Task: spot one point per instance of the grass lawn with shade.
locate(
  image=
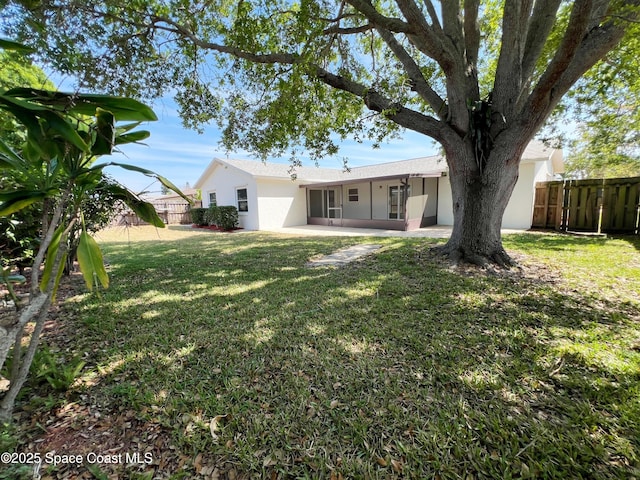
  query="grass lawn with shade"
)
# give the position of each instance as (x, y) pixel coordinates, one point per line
(224, 356)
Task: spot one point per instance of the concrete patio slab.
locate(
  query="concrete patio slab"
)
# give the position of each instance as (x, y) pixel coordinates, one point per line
(437, 231)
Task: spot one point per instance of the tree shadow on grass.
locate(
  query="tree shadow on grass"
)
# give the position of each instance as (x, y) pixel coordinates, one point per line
(395, 366)
(567, 241)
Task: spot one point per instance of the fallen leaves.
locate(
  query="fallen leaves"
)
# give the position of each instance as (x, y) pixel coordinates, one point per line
(214, 426)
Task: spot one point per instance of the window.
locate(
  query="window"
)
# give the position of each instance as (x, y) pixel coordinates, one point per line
(353, 194)
(243, 204)
(212, 199)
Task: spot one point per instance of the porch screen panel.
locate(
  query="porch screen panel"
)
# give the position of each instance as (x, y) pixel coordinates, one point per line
(396, 205)
(315, 203)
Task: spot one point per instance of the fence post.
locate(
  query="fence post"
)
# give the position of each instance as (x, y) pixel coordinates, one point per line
(600, 203)
(566, 194)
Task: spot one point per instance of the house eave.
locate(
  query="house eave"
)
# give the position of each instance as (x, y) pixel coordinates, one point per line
(384, 178)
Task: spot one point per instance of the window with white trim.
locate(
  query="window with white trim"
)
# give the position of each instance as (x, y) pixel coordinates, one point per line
(353, 194)
(242, 199)
(212, 199)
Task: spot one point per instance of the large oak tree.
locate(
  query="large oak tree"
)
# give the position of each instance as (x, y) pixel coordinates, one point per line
(479, 77)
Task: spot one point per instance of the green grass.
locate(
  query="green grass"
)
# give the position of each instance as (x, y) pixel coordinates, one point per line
(393, 367)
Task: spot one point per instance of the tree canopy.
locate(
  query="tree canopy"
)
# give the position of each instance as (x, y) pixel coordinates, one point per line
(262, 69)
(18, 70)
(479, 77)
(606, 108)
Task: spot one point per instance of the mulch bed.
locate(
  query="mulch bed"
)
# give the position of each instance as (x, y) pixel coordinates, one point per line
(215, 228)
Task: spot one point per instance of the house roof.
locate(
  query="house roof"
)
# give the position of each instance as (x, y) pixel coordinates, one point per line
(189, 192)
(432, 166)
(260, 169)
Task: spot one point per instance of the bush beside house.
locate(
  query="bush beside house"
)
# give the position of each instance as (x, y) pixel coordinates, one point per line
(223, 217)
(198, 216)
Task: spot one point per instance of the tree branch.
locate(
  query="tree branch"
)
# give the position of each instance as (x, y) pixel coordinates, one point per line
(425, 38)
(508, 80)
(594, 45)
(575, 34)
(542, 20)
(419, 83)
(471, 33)
(347, 30)
(46, 240)
(435, 22)
(404, 117)
(368, 10)
(376, 102)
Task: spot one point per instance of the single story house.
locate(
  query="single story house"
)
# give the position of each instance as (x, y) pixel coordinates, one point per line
(401, 195)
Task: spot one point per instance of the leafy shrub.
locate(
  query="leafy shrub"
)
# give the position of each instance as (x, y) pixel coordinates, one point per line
(50, 368)
(99, 207)
(212, 215)
(21, 238)
(56, 371)
(198, 216)
(227, 217)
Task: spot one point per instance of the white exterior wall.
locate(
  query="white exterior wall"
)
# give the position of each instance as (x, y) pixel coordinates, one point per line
(519, 211)
(431, 191)
(225, 180)
(445, 201)
(417, 201)
(544, 171)
(360, 209)
(381, 200)
(281, 203)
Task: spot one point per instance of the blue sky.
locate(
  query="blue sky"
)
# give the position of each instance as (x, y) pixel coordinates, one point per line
(181, 155)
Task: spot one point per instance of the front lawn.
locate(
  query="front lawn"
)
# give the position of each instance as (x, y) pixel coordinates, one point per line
(224, 356)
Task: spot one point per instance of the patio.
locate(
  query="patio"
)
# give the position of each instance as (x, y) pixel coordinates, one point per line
(436, 231)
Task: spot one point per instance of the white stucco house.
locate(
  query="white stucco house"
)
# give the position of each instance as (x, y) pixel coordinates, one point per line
(401, 195)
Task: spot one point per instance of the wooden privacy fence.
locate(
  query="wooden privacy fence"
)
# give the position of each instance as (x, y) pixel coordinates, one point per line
(170, 213)
(601, 205)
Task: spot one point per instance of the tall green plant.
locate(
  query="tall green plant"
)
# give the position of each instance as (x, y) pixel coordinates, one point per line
(66, 134)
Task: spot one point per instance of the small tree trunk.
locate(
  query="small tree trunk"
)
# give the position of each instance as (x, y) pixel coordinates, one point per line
(36, 311)
(9, 333)
(20, 376)
(480, 198)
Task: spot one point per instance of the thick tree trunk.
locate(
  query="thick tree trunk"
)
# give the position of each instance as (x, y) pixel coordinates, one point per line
(480, 197)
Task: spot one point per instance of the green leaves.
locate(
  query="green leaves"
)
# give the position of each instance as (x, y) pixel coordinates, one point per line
(15, 201)
(143, 209)
(11, 45)
(52, 253)
(53, 264)
(164, 181)
(13, 279)
(62, 117)
(124, 109)
(105, 133)
(9, 158)
(91, 262)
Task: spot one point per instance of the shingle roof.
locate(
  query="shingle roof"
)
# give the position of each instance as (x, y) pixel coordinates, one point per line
(279, 170)
(433, 165)
(422, 165)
